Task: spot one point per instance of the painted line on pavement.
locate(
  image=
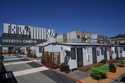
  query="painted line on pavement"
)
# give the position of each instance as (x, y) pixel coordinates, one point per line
(29, 71)
(20, 62)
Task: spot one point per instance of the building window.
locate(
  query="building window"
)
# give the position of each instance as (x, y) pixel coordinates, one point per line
(98, 51)
(124, 48)
(115, 49)
(78, 36)
(88, 57)
(41, 49)
(73, 53)
(102, 50)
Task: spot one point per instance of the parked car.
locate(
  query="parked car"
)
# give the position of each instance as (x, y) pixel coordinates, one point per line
(121, 79)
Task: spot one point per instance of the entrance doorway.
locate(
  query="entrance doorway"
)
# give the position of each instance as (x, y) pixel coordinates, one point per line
(51, 59)
(79, 57)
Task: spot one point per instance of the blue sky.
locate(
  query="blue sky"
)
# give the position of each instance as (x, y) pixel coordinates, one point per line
(102, 16)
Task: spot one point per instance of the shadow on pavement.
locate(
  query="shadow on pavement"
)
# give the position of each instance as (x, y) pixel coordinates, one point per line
(6, 76)
(58, 78)
(34, 64)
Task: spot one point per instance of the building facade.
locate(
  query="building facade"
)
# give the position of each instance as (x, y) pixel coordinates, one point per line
(119, 39)
(82, 37)
(14, 36)
(80, 54)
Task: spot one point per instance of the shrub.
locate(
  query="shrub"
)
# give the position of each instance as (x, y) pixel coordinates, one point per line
(121, 63)
(99, 72)
(112, 67)
(103, 61)
(64, 68)
(98, 75)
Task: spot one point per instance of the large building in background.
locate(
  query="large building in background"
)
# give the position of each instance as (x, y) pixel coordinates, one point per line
(24, 34)
(82, 37)
(118, 39)
(14, 37)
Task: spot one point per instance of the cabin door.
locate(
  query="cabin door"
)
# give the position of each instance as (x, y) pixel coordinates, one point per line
(116, 51)
(79, 57)
(51, 59)
(94, 55)
(105, 53)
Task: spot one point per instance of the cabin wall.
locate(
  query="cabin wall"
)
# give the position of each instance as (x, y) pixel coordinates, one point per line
(62, 55)
(58, 48)
(5, 50)
(99, 55)
(113, 52)
(123, 52)
(72, 63)
(87, 56)
(73, 58)
(38, 52)
(108, 55)
(35, 50)
(119, 54)
(23, 49)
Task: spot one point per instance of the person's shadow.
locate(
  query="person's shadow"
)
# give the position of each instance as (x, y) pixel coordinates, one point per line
(6, 76)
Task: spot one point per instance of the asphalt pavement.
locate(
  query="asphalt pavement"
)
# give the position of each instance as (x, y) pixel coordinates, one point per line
(42, 76)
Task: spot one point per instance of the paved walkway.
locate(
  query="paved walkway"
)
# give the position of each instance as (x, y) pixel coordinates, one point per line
(77, 74)
(29, 71)
(32, 72)
(20, 62)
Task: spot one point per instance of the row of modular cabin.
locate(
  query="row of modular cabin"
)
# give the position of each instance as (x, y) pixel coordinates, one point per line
(79, 54)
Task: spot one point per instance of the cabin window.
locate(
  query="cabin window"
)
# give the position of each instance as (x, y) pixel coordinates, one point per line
(115, 49)
(73, 53)
(124, 48)
(88, 57)
(78, 36)
(40, 49)
(67, 57)
(102, 51)
(120, 50)
(98, 52)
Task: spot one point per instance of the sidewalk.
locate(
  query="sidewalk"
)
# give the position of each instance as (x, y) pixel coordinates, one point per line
(74, 75)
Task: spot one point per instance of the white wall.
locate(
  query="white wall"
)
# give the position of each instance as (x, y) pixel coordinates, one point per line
(5, 28)
(61, 48)
(31, 33)
(113, 52)
(93, 38)
(35, 49)
(72, 64)
(62, 55)
(59, 38)
(24, 50)
(119, 54)
(71, 36)
(123, 53)
(5, 49)
(100, 57)
(56, 48)
(87, 56)
(108, 55)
